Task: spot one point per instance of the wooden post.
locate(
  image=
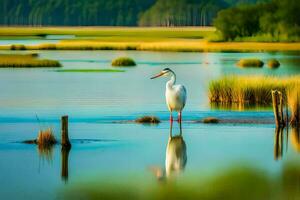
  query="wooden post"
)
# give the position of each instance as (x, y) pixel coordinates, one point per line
(275, 107)
(65, 142)
(281, 109)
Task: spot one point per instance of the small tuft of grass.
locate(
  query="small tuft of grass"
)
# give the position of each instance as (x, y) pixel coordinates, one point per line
(123, 62)
(250, 62)
(89, 70)
(273, 63)
(148, 120)
(25, 61)
(46, 138)
(210, 120)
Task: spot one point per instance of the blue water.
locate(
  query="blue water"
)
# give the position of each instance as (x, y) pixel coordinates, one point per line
(101, 107)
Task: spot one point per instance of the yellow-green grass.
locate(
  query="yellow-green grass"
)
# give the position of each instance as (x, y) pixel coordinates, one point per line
(255, 90)
(123, 62)
(250, 62)
(273, 63)
(25, 61)
(184, 39)
(89, 70)
(177, 45)
(148, 120)
(293, 96)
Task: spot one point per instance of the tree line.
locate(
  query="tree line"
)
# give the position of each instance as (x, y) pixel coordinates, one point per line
(112, 12)
(275, 18)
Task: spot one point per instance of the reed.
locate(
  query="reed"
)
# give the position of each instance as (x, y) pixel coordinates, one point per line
(293, 97)
(46, 138)
(252, 90)
(123, 62)
(25, 61)
(250, 62)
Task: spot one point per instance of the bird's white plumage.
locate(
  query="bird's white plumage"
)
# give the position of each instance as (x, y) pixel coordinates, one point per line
(175, 95)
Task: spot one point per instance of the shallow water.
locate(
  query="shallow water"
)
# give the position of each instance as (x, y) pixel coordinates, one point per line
(96, 104)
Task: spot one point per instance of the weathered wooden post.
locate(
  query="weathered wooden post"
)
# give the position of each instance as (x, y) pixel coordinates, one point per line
(277, 101)
(65, 142)
(275, 107)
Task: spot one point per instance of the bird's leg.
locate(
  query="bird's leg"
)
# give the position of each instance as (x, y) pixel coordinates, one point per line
(179, 117)
(171, 117)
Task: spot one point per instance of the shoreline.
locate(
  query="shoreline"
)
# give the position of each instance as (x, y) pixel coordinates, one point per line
(164, 46)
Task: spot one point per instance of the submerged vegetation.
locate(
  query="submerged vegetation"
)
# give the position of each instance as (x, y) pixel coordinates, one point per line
(148, 120)
(250, 62)
(25, 61)
(123, 62)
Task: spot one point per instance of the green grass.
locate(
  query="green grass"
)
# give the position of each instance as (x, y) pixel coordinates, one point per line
(250, 62)
(123, 62)
(90, 70)
(179, 39)
(25, 61)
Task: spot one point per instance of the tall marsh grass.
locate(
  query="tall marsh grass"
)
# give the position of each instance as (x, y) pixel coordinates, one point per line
(256, 90)
(25, 61)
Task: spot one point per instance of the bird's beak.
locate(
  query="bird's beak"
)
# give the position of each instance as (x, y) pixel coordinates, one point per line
(158, 75)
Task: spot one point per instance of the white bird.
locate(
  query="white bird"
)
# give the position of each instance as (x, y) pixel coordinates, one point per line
(175, 94)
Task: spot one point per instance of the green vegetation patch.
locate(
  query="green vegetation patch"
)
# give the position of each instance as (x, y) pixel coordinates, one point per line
(250, 62)
(123, 62)
(210, 120)
(148, 120)
(89, 70)
(273, 63)
(25, 61)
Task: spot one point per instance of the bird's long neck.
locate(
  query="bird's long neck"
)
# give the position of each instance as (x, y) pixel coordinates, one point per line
(172, 81)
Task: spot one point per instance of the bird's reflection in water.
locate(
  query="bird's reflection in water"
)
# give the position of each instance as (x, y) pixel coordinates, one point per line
(176, 157)
(281, 138)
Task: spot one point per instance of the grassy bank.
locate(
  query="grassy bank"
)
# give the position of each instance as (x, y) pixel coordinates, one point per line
(256, 90)
(249, 89)
(25, 61)
(183, 39)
